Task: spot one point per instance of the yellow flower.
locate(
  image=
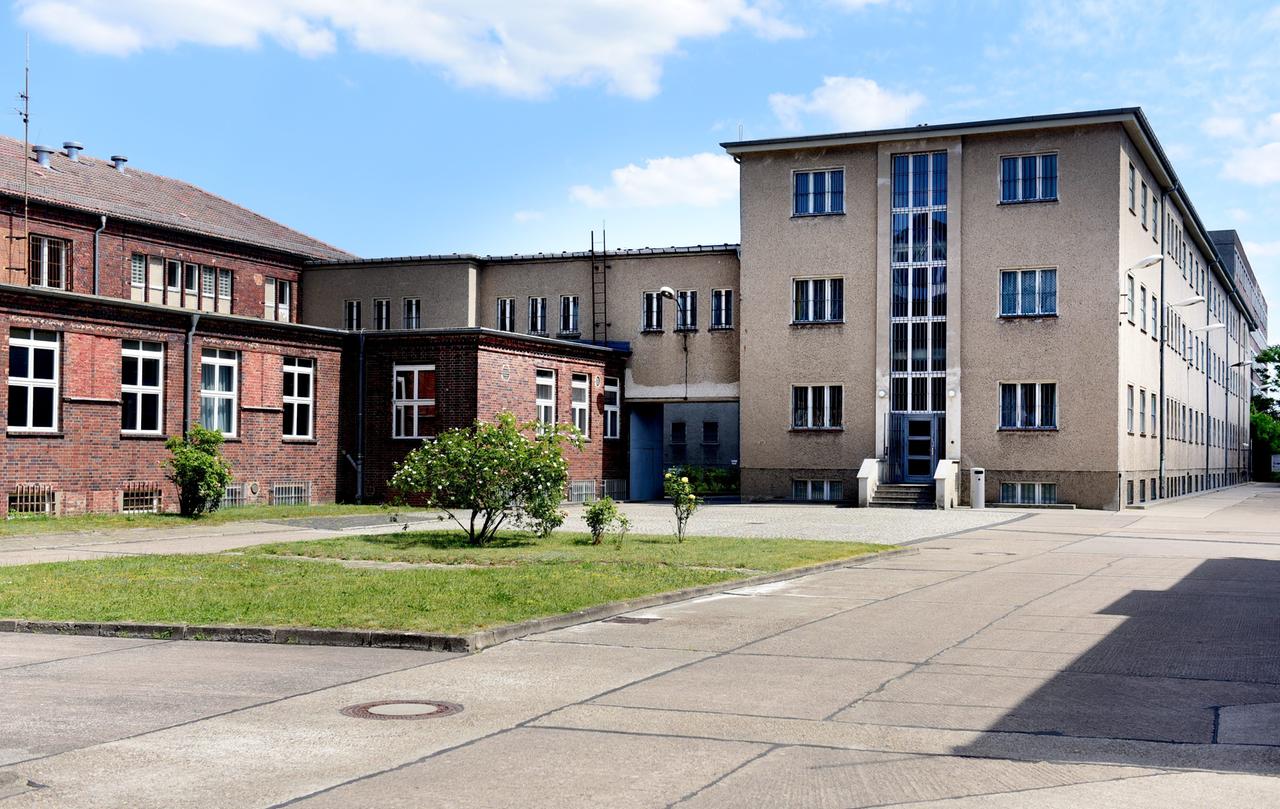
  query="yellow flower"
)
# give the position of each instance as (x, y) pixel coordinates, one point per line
(684, 480)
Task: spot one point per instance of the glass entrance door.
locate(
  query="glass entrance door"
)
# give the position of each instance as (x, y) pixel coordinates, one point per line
(919, 457)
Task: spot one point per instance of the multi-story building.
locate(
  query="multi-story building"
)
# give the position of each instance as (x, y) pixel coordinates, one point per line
(1035, 297)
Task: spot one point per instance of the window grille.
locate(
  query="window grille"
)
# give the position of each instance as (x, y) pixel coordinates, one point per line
(615, 488)
(32, 498)
(233, 496)
(293, 493)
(582, 491)
(141, 498)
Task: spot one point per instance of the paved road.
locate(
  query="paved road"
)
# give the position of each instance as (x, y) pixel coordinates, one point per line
(1070, 659)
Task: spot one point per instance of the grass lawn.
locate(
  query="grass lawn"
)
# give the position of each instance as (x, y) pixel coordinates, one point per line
(515, 579)
(109, 522)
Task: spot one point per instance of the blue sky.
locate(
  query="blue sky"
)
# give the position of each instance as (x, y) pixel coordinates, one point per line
(393, 127)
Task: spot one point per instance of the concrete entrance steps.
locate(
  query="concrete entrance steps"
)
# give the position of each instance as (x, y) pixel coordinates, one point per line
(903, 495)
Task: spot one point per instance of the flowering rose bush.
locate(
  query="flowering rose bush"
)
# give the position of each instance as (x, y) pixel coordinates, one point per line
(683, 500)
(491, 474)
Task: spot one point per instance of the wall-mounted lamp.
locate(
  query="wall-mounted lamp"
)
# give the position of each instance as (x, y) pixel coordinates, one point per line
(881, 394)
(952, 393)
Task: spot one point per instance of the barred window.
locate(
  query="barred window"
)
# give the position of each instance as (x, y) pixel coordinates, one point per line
(48, 267)
(1029, 178)
(1028, 405)
(722, 308)
(818, 300)
(1028, 292)
(819, 192)
(816, 407)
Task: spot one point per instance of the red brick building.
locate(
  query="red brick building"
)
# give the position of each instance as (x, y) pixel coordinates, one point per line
(134, 305)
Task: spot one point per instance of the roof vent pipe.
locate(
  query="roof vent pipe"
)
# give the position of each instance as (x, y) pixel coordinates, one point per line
(118, 160)
(74, 148)
(43, 153)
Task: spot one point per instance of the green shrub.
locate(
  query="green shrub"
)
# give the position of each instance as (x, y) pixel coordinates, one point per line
(599, 515)
(492, 473)
(683, 500)
(197, 468)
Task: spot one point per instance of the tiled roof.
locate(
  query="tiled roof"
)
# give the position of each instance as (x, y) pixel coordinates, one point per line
(94, 185)
(524, 257)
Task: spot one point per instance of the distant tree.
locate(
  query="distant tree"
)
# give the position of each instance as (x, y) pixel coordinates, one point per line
(492, 474)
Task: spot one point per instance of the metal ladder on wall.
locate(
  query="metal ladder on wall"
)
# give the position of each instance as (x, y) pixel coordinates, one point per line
(599, 296)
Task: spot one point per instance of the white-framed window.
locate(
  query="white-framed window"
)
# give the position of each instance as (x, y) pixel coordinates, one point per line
(48, 267)
(817, 407)
(412, 313)
(544, 395)
(1133, 177)
(1142, 308)
(1028, 292)
(284, 297)
(580, 403)
(652, 314)
(537, 315)
(414, 401)
(191, 283)
(1029, 493)
(1143, 217)
(1129, 408)
(817, 300)
(569, 315)
(722, 308)
(351, 315)
(209, 287)
(818, 192)
(173, 274)
(1029, 178)
(612, 408)
(141, 386)
(817, 490)
(33, 380)
(506, 314)
(1028, 405)
(1131, 305)
(687, 310)
(224, 284)
(1142, 411)
(299, 397)
(219, 384)
(381, 314)
(138, 270)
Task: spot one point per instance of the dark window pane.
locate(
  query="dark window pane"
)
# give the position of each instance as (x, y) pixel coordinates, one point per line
(129, 411)
(1008, 293)
(837, 191)
(1029, 177)
(42, 407)
(940, 178)
(1049, 291)
(939, 291)
(19, 361)
(900, 178)
(819, 204)
(288, 418)
(939, 237)
(1048, 405)
(151, 372)
(18, 406)
(151, 412)
(799, 407)
(304, 419)
(919, 180)
(1009, 179)
(801, 193)
(1008, 405)
(43, 363)
(835, 406)
(1049, 177)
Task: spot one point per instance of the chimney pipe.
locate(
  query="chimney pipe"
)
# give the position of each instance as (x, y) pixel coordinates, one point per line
(42, 155)
(118, 160)
(74, 148)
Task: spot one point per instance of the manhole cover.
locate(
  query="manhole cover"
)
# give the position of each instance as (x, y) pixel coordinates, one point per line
(629, 619)
(402, 709)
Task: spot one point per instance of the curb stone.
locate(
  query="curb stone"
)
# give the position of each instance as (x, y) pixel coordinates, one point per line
(419, 641)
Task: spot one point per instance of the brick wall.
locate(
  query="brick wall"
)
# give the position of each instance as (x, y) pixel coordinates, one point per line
(89, 461)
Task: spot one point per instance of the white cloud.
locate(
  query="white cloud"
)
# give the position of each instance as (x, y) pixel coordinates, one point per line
(1223, 127)
(702, 180)
(1257, 250)
(515, 46)
(1255, 166)
(850, 103)
(524, 217)
(1239, 215)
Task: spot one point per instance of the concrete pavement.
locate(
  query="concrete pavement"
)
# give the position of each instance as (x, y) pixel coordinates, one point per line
(1068, 659)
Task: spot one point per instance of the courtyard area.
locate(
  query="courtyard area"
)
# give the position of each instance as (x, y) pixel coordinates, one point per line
(1047, 659)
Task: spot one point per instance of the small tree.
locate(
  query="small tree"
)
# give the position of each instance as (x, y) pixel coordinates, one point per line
(197, 468)
(599, 516)
(493, 473)
(683, 500)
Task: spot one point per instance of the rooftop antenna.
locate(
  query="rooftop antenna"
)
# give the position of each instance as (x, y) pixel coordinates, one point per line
(739, 130)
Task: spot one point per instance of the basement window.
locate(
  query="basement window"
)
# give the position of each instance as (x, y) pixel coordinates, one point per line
(144, 498)
(292, 493)
(32, 499)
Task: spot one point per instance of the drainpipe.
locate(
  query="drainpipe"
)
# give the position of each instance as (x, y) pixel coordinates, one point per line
(186, 374)
(360, 425)
(96, 234)
(1164, 331)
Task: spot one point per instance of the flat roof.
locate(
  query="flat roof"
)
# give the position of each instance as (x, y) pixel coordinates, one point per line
(475, 258)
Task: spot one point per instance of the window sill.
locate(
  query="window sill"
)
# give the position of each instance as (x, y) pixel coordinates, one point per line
(299, 440)
(816, 429)
(685, 330)
(1027, 429)
(129, 436)
(1027, 201)
(653, 331)
(262, 408)
(537, 334)
(1040, 316)
(721, 328)
(569, 335)
(809, 324)
(816, 215)
(35, 434)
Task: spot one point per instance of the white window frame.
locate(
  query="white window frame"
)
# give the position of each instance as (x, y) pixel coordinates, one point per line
(41, 277)
(191, 282)
(222, 358)
(1129, 394)
(651, 312)
(569, 315)
(721, 309)
(828, 490)
(537, 315)
(284, 297)
(811, 308)
(300, 367)
(545, 408)
(381, 314)
(411, 309)
(1038, 498)
(351, 315)
(138, 271)
(173, 274)
(826, 194)
(1040, 310)
(1018, 408)
(506, 314)
(580, 385)
(32, 341)
(813, 420)
(225, 281)
(687, 310)
(144, 350)
(612, 412)
(1039, 197)
(408, 404)
(1142, 411)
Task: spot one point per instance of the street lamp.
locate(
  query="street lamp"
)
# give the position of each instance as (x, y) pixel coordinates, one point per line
(1149, 261)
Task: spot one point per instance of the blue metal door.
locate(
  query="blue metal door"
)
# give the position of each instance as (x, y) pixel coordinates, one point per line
(919, 448)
